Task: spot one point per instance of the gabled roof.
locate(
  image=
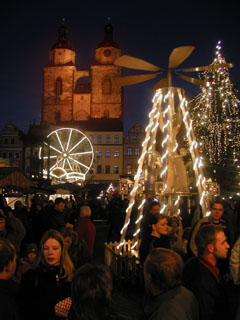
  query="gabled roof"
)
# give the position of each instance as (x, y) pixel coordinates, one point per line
(14, 177)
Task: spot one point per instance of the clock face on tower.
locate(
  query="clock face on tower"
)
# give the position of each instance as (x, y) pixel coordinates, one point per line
(107, 53)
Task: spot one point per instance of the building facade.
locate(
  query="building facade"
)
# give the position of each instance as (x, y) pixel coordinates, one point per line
(11, 145)
(132, 149)
(86, 100)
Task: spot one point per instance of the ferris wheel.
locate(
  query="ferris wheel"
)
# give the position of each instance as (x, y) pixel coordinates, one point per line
(67, 156)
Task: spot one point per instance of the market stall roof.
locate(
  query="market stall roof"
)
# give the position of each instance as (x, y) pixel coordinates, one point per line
(14, 178)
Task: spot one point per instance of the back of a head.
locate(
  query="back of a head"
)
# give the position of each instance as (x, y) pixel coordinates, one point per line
(7, 253)
(165, 268)
(91, 292)
(85, 211)
(207, 235)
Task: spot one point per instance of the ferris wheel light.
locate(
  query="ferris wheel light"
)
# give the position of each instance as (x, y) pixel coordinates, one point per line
(74, 165)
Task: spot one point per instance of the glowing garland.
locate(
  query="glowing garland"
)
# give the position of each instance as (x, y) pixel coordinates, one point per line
(157, 116)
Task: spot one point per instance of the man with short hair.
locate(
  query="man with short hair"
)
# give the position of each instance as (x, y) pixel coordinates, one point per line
(217, 210)
(201, 274)
(55, 218)
(168, 299)
(8, 288)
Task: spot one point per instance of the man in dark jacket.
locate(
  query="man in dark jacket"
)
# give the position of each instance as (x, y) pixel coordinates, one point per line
(168, 299)
(202, 276)
(8, 288)
(55, 217)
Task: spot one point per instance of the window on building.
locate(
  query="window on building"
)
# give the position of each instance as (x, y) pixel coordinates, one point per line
(12, 141)
(107, 168)
(91, 138)
(116, 153)
(99, 168)
(134, 137)
(99, 153)
(58, 88)
(99, 138)
(129, 169)
(115, 169)
(137, 152)
(108, 153)
(107, 139)
(129, 151)
(6, 140)
(4, 155)
(106, 85)
(16, 155)
(139, 137)
(116, 139)
(10, 155)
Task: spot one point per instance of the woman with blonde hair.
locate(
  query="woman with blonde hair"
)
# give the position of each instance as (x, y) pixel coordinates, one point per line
(45, 292)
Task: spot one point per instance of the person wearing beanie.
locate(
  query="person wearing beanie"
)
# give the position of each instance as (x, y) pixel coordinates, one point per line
(29, 262)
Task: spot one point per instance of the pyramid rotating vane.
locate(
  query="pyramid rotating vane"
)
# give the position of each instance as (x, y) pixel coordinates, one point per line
(177, 57)
(171, 175)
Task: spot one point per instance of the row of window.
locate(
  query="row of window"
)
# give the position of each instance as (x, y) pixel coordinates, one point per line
(107, 139)
(133, 151)
(116, 153)
(8, 141)
(107, 169)
(134, 137)
(106, 86)
(10, 155)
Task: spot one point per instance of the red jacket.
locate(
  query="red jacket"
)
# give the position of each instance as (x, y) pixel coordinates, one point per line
(86, 231)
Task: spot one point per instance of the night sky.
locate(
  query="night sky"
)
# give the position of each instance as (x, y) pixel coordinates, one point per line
(144, 29)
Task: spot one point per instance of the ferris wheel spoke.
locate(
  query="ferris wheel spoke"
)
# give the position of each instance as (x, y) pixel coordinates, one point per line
(69, 138)
(69, 164)
(78, 162)
(59, 141)
(77, 144)
(80, 153)
(51, 157)
(55, 149)
(56, 164)
(64, 161)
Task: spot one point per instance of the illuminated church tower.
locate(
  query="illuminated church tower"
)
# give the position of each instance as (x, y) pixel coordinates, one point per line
(106, 98)
(67, 96)
(58, 81)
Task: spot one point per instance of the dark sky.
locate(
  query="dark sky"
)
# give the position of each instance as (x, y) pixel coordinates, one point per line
(144, 29)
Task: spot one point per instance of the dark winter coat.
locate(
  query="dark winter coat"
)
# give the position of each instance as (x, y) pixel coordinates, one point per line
(79, 252)
(176, 304)
(8, 305)
(40, 290)
(54, 220)
(150, 242)
(213, 303)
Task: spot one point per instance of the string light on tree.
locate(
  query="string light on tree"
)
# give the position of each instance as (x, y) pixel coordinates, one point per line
(215, 114)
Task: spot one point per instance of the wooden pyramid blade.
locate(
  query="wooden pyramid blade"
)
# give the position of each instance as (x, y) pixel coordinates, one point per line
(178, 55)
(135, 63)
(129, 80)
(209, 67)
(163, 83)
(193, 80)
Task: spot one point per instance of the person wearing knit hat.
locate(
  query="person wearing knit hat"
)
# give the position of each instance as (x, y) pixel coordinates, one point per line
(28, 262)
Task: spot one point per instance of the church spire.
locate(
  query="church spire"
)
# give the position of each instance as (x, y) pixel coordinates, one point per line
(108, 36)
(63, 41)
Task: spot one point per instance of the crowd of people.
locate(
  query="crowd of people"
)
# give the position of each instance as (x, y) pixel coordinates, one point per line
(190, 266)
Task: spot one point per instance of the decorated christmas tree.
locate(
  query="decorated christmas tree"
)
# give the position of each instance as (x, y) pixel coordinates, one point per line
(215, 114)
